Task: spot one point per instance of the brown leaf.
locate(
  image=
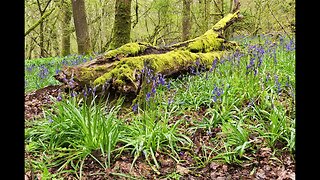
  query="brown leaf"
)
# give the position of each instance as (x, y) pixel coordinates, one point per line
(182, 170)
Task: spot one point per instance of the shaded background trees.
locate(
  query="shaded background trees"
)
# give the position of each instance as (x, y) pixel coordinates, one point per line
(51, 31)
(81, 26)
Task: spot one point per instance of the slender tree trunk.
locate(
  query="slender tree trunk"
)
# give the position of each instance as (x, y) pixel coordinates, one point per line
(41, 44)
(222, 8)
(186, 20)
(81, 26)
(205, 14)
(122, 23)
(65, 25)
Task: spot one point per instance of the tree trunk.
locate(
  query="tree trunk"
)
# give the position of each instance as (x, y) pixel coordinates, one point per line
(186, 20)
(118, 70)
(204, 6)
(41, 36)
(81, 26)
(65, 27)
(122, 24)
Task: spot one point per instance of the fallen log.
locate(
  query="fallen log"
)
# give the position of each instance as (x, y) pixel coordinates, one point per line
(119, 69)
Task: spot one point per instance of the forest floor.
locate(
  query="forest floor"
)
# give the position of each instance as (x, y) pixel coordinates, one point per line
(263, 164)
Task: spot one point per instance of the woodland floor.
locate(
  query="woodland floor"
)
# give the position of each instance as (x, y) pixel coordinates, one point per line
(263, 164)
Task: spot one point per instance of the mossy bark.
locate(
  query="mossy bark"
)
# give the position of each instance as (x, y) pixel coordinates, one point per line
(65, 24)
(120, 68)
(122, 24)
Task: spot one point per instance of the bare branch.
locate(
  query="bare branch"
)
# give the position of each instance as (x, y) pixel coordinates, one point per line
(43, 17)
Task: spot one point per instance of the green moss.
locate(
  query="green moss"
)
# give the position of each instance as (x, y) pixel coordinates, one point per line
(127, 49)
(223, 22)
(124, 73)
(86, 75)
(206, 43)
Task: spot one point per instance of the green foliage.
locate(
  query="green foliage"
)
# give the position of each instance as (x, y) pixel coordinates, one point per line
(74, 130)
(149, 130)
(249, 95)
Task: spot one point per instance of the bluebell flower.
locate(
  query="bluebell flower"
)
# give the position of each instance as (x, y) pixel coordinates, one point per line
(214, 63)
(275, 58)
(84, 93)
(57, 71)
(192, 70)
(259, 61)
(278, 84)
(153, 89)
(94, 90)
(148, 95)
(267, 77)
(50, 120)
(162, 80)
(198, 62)
(135, 108)
(214, 98)
(73, 94)
(59, 98)
(169, 85)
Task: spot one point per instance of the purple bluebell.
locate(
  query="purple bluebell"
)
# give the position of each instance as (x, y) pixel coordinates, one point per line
(135, 108)
(59, 98)
(148, 95)
(57, 71)
(275, 57)
(214, 98)
(162, 80)
(259, 61)
(169, 85)
(192, 70)
(73, 94)
(94, 90)
(209, 133)
(50, 120)
(267, 77)
(153, 89)
(214, 63)
(84, 93)
(198, 62)
(289, 46)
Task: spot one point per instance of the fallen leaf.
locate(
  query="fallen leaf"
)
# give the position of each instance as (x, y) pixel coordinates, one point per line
(182, 170)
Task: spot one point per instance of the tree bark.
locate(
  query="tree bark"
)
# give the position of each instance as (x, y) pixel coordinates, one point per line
(41, 28)
(81, 26)
(186, 20)
(65, 26)
(122, 23)
(118, 70)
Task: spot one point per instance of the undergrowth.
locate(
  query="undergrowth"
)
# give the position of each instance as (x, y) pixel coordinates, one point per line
(249, 96)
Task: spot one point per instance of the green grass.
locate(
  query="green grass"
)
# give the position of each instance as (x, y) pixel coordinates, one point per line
(244, 98)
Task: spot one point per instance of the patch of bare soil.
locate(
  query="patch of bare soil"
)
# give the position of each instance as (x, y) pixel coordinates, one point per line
(35, 101)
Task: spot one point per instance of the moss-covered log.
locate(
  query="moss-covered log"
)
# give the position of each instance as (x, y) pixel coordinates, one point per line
(120, 68)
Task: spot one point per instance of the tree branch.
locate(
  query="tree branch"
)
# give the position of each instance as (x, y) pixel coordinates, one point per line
(43, 17)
